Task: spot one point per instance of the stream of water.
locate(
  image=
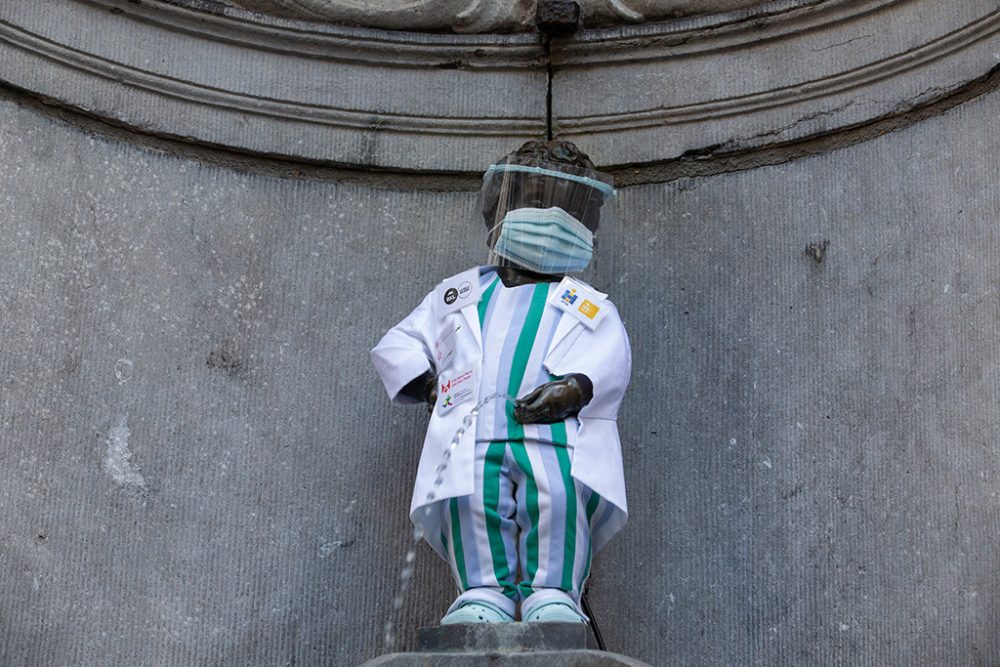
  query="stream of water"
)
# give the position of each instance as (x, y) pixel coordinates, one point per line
(406, 573)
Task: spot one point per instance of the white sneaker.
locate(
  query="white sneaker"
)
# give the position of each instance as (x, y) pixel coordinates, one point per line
(476, 612)
(556, 611)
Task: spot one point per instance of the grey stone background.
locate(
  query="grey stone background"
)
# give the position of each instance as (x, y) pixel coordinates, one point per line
(198, 465)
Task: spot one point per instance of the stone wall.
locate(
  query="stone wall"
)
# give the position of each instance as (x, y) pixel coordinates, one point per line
(198, 465)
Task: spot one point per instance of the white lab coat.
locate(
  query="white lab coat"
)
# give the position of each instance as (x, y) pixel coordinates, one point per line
(602, 354)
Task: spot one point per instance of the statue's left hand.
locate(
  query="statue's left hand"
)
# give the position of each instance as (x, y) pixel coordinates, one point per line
(554, 401)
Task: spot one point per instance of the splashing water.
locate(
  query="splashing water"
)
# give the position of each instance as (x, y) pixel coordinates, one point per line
(406, 573)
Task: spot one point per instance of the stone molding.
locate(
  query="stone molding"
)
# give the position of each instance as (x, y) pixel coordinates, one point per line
(465, 16)
(705, 35)
(335, 42)
(315, 92)
(444, 103)
(680, 88)
(460, 16)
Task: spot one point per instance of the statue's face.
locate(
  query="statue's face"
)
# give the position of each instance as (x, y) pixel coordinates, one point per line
(527, 190)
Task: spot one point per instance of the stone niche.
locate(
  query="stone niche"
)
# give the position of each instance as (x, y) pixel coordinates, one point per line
(811, 437)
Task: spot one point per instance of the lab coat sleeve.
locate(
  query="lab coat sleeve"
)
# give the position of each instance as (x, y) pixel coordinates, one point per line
(404, 353)
(603, 355)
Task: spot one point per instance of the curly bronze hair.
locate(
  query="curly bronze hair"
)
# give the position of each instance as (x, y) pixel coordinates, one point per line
(552, 151)
(563, 152)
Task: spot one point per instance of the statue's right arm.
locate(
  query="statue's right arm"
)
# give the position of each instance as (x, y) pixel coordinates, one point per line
(403, 357)
(422, 389)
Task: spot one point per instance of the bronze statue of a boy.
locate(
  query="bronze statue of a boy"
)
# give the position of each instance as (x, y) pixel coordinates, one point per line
(536, 485)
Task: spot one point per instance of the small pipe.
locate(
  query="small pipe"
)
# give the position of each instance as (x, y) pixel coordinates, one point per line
(593, 621)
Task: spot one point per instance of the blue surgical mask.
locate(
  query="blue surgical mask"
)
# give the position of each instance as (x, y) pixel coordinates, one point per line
(545, 240)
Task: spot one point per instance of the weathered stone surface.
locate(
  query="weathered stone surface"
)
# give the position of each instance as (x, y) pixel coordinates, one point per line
(466, 16)
(318, 93)
(579, 658)
(542, 644)
(746, 80)
(477, 16)
(656, 92)
(198, 465)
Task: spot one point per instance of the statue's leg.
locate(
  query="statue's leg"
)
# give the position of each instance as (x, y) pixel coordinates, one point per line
(554, 545)
(480, 538)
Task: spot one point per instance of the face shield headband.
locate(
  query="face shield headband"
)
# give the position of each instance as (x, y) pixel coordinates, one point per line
(600, 186)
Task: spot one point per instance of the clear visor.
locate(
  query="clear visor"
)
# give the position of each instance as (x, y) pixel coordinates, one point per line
(544, 216)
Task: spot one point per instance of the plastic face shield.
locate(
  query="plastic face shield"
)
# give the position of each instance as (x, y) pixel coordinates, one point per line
(543, 216)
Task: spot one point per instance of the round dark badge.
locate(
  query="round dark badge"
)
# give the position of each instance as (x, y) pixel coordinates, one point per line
(450, 295)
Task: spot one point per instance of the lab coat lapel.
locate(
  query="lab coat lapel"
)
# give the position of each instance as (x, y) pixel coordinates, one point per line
(566, 324)
(462, 292)
(557, 348)
(471, 313)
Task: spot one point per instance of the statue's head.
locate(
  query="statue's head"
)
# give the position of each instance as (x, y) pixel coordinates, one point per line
(508, 190)
(541, 205)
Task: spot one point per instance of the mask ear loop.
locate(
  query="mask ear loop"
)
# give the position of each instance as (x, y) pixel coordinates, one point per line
(489, 233)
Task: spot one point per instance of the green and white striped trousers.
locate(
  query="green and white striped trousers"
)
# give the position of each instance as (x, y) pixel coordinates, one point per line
(525, 529)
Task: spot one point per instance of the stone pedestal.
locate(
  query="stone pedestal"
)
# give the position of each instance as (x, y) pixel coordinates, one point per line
(521, 644)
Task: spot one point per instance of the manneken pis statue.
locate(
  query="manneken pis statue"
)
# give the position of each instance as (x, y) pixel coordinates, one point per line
(536, 486)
